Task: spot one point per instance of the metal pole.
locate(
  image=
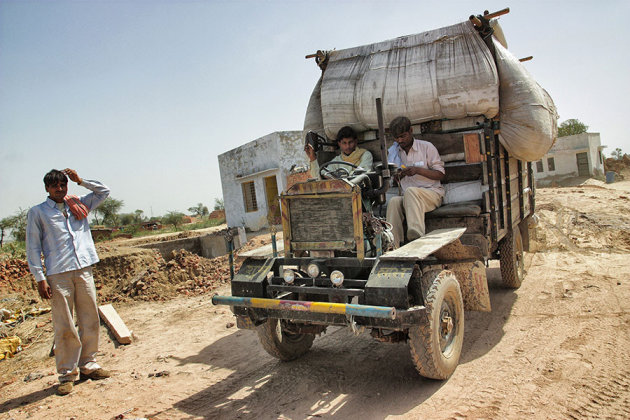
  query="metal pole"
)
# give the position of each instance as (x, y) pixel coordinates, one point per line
(381, 135)
(231, 256)
(228, 235)
(379, 245)
(273, 242)
(385, 312)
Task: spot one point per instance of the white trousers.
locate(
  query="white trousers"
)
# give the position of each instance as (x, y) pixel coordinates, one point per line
(414, 203)
(75, 350)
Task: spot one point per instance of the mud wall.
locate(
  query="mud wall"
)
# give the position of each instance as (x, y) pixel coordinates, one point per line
(208, 246)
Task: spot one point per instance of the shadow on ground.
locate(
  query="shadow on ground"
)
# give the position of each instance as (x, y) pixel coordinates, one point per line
(341, 376)
(484, 330)
(23, 400)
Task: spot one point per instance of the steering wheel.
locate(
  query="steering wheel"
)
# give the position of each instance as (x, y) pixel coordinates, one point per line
(337, 173)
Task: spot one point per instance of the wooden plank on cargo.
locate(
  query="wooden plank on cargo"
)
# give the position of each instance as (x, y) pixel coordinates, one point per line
(115, 323)
(461, 173)
(424, 246)
(472, 148)
(446, 144)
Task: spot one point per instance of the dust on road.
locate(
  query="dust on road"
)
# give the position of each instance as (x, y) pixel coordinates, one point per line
(555, 348)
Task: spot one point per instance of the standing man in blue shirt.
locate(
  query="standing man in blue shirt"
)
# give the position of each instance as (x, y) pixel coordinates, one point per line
(58, 228)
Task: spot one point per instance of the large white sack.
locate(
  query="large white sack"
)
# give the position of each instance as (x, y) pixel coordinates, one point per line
(444, 73)
(313, 120)
(529, 120)
(497, 32)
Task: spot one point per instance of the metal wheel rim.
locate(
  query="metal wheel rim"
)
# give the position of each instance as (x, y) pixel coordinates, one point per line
(447, 327)
(287, 336)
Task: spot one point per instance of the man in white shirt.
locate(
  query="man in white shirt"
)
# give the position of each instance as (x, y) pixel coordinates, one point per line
(58, 229)
(420, 175)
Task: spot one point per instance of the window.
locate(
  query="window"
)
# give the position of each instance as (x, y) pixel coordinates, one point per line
(539, 167)
(551, 164)
(249, 196)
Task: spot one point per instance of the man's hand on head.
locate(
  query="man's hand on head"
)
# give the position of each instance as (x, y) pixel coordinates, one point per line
(44, 289)
(72, 174)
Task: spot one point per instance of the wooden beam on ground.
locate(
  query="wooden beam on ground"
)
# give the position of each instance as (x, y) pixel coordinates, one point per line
(115, 323)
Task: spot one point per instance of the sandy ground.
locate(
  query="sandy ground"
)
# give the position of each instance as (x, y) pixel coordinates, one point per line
(556, 348)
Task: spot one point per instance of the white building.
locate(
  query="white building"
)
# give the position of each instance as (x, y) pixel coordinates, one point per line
(253, 175)
(579, 155)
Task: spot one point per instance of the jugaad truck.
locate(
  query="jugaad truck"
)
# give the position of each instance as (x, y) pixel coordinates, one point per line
(464, 93)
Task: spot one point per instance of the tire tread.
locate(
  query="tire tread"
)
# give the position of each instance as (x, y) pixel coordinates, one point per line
(424, 352)
(284, 351)
(509, 271)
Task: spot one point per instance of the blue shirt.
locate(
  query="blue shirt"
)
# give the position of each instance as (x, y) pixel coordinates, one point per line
(65, 241)
(393, 155)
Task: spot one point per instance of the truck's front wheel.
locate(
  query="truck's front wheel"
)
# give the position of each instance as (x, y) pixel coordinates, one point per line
(282, 344)
(436, 342)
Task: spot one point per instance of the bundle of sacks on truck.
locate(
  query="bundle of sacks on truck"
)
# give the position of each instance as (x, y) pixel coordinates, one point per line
(455, 75)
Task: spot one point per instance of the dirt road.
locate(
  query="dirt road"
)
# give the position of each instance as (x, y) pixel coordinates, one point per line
(556, 348)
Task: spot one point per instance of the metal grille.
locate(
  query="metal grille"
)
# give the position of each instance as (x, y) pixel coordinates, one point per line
(249, 196)
(321, 219)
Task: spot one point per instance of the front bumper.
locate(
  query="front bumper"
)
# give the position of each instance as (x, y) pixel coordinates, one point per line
(324, 313)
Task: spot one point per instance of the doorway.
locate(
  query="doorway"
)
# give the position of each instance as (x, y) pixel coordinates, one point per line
(273, 204)
(582, 164)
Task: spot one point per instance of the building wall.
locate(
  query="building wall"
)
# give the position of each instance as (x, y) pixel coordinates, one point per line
(564, 153)
(271, 155)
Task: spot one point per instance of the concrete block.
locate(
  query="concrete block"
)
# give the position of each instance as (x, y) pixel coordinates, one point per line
(242, 237)
(115, 323)
(212, 246)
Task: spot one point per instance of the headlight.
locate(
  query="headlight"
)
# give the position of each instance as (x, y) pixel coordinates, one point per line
(288, 275)
(312, 270)
(336, 277)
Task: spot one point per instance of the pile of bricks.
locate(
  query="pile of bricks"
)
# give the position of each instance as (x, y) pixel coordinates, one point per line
(15, 276)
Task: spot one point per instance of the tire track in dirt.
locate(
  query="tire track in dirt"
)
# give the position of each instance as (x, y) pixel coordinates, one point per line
(604, 393)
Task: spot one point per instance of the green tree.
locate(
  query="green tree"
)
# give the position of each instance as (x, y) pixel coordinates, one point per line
(199, 210)
(17, 224)
(5, 225)
(174, 218)
(126, 219)
(617, 153)
(218, 204)
(139, 216)
(108, 211)
(571, 127)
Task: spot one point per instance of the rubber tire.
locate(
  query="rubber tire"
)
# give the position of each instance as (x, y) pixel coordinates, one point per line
(511, 259)
(282, 345)
(430, 359)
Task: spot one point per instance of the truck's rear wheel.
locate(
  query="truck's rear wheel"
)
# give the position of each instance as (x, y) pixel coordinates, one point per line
(511, 259)
(436, 343)
(282, 344)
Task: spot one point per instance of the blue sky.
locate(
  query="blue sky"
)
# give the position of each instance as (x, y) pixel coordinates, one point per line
(143, 95)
